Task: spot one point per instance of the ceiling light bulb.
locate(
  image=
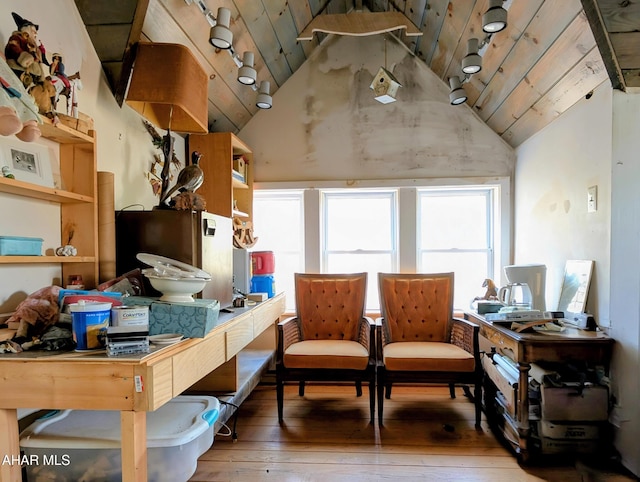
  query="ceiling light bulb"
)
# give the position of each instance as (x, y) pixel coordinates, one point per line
(264, 100)
(247, 74)
(457, 95)
(220, 35)
(472, 62)
(495, 18)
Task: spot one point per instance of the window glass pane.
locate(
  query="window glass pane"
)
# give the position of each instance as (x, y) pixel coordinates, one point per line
(456, 220)
(279, 226)
(369, 263)
(358, 221)
(469, 270)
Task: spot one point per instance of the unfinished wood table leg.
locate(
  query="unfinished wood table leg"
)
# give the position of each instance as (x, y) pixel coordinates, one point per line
(10, 467)
(133, 430)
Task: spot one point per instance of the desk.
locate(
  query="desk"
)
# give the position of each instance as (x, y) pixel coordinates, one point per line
(593, 348)
(133, 385)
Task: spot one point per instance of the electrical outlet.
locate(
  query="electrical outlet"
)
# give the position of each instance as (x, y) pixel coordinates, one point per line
(592, 199)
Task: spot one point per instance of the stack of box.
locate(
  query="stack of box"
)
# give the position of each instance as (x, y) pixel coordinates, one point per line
(128, 333)
(570, 416)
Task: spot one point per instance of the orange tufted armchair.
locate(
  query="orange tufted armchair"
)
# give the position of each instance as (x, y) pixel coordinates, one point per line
(419, 341)
(329, 339)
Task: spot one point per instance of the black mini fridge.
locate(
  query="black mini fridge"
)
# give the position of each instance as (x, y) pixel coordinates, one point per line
(201, 239)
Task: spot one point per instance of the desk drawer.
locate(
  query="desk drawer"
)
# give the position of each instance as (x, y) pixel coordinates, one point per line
(505, 384)
(503, 344)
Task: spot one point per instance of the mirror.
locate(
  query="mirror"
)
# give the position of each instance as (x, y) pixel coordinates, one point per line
(575, 286)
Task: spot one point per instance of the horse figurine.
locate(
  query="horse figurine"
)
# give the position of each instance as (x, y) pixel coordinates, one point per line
(65, 86)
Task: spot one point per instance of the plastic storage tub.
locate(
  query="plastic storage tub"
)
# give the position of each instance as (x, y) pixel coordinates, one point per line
(20, 246)
(85, 444)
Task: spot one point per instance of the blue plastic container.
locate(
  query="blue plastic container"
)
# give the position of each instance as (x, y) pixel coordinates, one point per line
(20, 246)
(263, 284)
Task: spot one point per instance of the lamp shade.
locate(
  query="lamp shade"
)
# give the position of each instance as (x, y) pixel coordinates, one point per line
(220, 36)
(247, 74)
(264, 100)
(472, 62)
(495, 18)
(169, 88)
(457, 95)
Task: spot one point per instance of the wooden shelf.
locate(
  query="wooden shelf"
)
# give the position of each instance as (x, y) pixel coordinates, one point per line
(237, 184)
(46, 259)
(26, 189)
(63, 134)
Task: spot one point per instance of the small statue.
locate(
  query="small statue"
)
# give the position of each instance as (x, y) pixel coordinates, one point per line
(491, 293)
(189, 179)
(25, 54)
(6, 172)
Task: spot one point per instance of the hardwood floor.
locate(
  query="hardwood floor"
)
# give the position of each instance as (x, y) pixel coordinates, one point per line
(326, 436)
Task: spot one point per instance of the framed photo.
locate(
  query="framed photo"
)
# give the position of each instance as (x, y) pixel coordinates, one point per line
(27, 161)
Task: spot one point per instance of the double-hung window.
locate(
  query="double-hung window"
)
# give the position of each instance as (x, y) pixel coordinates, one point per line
(359, 234)
(456, 233)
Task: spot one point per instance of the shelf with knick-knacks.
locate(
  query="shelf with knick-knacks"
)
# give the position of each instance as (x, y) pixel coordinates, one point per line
(227, 164)
(78, 202)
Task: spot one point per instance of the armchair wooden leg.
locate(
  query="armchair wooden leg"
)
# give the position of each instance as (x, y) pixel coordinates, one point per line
(380, 390)
(477, 394)
(280, 397)
(388, 391)
(452, 390)
(358, 388)
(301, 388)
(372, 399)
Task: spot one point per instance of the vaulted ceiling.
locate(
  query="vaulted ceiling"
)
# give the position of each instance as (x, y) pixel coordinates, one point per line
(551, 55)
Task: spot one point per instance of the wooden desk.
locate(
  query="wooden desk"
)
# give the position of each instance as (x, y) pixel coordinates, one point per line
(133, 385)
(593, 348)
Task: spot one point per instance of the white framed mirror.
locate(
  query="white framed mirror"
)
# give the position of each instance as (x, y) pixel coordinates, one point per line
(575, 286)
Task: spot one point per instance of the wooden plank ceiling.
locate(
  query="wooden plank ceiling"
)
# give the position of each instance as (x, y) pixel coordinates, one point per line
(552, 53)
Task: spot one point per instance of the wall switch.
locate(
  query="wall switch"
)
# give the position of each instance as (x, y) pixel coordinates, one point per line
(592, 199)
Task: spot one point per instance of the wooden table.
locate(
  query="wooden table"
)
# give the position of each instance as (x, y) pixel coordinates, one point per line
(572, 345)
(133, 385)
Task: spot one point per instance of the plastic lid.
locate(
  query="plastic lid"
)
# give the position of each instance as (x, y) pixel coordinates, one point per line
(85, 305)
(176, 423)
(167, 267)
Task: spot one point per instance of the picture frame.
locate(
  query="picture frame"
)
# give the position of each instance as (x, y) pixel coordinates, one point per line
(27, 161)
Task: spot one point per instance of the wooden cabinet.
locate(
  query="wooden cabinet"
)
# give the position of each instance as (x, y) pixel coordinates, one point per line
(223, 192)
(78, 203)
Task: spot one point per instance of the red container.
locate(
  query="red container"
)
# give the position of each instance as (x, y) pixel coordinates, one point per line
(263, 262)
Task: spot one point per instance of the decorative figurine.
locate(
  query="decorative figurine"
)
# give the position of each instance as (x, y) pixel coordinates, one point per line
(491, 293)
(67, 87)
(6, 172)
(189, 179)
(25, 54)
(18, 111)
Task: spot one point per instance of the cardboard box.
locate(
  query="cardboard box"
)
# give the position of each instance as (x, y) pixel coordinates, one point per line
(569, 431)
(590, 404)
(192, 320)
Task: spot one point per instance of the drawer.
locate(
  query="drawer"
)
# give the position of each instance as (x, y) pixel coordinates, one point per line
(503, 344)
(504, 383)
(239, 336)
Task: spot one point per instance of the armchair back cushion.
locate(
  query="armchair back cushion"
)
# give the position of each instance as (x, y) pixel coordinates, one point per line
(330, 308)
(416, 309)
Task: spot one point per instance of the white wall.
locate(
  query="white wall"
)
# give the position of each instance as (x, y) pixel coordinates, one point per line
(123, 145)
(554, 169)
(326, 125)
(625, 275)
(594, 143)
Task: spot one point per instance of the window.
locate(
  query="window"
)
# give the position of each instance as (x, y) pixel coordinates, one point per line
(360, 234)
(455, 231)
(279, 226)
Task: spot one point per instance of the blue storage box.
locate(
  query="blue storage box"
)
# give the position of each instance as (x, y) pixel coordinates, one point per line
(191, 320)
(19, 246)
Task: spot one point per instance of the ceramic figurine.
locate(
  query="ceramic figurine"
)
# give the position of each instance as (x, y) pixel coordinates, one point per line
(6, 172)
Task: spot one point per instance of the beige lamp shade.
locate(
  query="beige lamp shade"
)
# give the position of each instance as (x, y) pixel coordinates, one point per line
(169, 88)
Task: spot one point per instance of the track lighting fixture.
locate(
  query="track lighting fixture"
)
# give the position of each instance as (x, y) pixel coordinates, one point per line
(264, 100)
(495, 18)
(472, 62)
(247, 73)
(220, 36)
(457, 95)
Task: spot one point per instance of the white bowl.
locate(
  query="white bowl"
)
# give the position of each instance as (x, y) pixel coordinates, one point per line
(177, 289)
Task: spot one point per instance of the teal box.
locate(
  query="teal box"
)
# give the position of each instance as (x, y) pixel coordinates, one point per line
(191, 320)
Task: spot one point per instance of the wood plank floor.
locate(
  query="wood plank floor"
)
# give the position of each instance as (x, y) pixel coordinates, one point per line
(327, 437)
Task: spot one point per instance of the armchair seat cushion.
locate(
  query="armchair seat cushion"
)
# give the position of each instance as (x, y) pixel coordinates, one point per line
(326, 354)
(427, 356)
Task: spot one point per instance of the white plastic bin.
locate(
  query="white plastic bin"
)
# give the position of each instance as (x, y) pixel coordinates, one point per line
(85, 444)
